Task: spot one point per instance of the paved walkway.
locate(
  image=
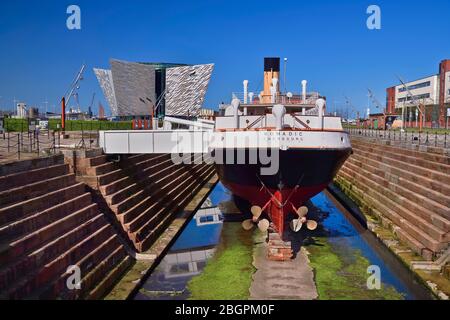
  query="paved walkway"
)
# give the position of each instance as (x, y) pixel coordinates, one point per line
(288, 280)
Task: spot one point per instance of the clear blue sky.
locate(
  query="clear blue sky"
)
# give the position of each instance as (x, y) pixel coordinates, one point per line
(327, 43)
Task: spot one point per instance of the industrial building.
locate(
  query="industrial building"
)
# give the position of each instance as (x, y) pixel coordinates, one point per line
(433, 92)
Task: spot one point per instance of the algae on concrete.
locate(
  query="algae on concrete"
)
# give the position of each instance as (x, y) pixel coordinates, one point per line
(228, 275)
(338, 278)
(402, 251)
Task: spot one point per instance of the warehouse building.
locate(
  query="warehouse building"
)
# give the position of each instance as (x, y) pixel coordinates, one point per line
(433, 92)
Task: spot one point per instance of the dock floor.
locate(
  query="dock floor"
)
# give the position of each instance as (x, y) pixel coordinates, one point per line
(286, 280)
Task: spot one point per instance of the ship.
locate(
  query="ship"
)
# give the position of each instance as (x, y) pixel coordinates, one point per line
(308, 145)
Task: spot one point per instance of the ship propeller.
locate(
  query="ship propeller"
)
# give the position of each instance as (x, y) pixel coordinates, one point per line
(256, 212)
(262, 224)
(311, 225)
(302, 211)
(248, 224)
(297, 224)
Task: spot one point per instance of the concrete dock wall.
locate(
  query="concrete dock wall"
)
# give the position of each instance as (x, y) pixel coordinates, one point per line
(405, 187)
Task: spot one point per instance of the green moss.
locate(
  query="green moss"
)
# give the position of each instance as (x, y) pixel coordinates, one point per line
(126, 284)
(228, 275)
(343, 276)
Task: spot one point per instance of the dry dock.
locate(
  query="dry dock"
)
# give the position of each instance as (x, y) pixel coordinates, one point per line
(118, 219)
(84, 210)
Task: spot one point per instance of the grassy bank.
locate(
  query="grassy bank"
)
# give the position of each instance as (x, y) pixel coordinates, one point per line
(228, 275)
(21, 125)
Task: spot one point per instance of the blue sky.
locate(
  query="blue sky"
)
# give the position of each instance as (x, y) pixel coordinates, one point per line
(326, 42)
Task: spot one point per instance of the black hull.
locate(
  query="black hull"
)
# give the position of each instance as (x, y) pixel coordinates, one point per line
(304, 167)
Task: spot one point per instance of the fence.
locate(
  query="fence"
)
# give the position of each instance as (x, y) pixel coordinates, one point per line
(21, 125)
(17, 145)
(434, 139)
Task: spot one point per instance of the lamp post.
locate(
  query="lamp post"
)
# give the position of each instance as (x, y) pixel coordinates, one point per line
(417, 116)
(284, 73)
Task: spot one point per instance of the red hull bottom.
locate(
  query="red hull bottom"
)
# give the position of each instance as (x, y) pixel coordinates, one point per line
(277, 203)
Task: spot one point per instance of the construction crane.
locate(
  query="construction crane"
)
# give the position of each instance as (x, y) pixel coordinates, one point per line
(71, 92)
(377, 104)
(75, 85)
(375, 101)
(90, 106)
(350, 105)
(416, 102)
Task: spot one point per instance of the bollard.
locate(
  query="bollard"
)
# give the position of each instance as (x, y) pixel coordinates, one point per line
(8, 142)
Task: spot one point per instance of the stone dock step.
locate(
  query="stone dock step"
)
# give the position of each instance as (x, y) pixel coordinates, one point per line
(145, 191)
(48, 223)
(408, 189)
(426, 210)
(433, 170)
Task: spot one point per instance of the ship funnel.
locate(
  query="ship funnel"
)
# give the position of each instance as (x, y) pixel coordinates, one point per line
(271, 71)
(245, 91)
(235, 103)
(279, 111)
(304, 83)
(250, 95)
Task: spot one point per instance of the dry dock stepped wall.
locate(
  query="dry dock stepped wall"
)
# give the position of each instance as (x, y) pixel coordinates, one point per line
(48, 222)
(143, 192)
(82, 209)
(407, 189)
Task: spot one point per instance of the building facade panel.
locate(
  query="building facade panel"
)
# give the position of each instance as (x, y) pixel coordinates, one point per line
(105, 80)
(186, 88)
(133, 82)
(390, 100)
(447, 87)
(444, 70)
(425, 89)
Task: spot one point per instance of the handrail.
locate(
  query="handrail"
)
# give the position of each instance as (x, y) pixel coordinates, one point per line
(300, 121)
(255, 122)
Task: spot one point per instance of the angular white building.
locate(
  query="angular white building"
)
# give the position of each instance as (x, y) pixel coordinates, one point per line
(134, 89)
